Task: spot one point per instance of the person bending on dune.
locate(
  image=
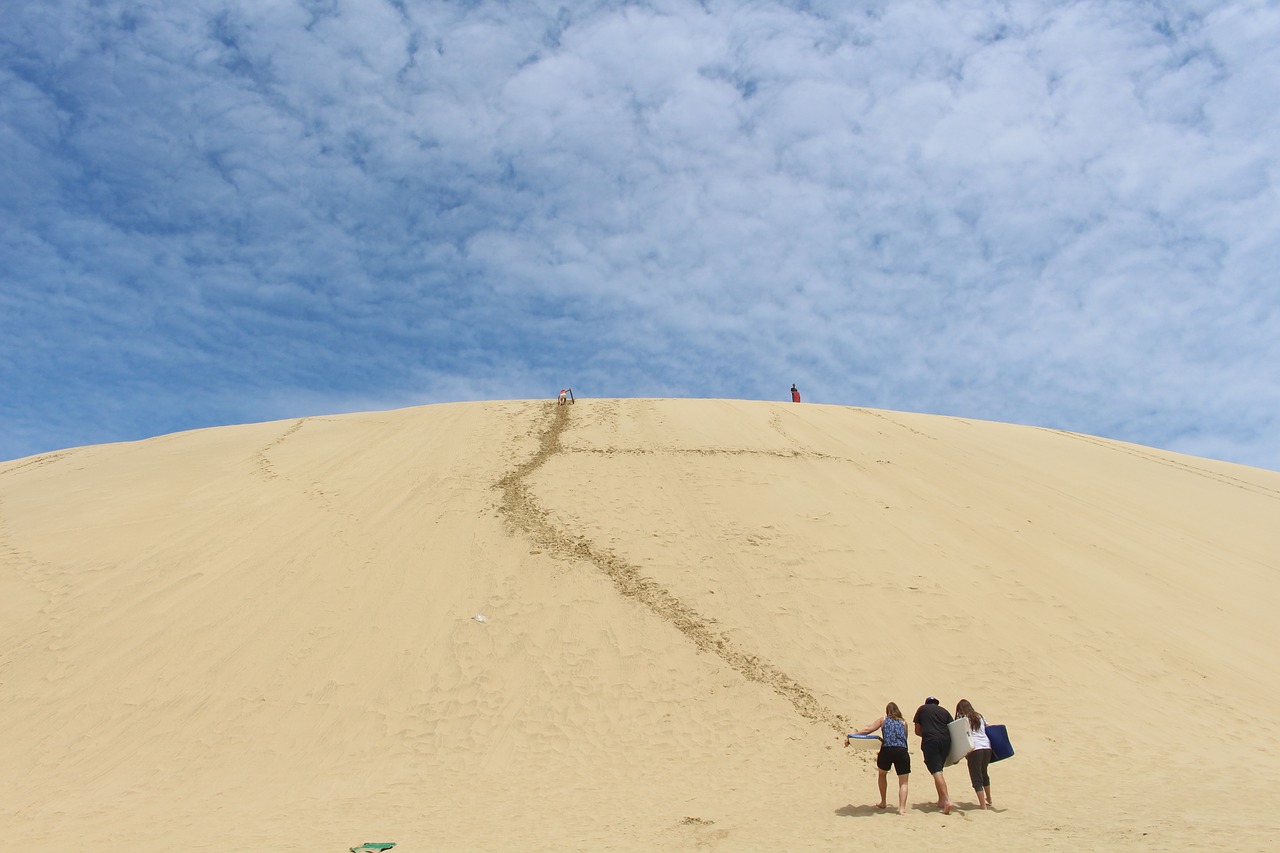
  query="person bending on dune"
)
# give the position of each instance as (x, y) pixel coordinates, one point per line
(893, 753)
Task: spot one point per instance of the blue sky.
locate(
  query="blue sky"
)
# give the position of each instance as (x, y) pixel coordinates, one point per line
(1054, 213)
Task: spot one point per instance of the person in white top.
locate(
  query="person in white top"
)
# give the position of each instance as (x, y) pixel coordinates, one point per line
(979, 758)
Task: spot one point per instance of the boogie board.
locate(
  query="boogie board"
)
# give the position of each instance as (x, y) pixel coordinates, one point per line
(865, 741)
(960, 743)
(1000, 746)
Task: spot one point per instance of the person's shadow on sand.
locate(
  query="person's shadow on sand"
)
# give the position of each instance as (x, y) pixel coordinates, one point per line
(864, 811)
(934, 808)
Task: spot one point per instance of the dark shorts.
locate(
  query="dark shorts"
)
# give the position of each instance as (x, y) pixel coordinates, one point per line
(896, 757)
(935, 753)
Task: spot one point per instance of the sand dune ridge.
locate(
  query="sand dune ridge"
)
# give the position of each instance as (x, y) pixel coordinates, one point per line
(266, 636)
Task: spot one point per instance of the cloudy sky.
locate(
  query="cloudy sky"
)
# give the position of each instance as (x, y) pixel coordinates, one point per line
(1054, 213)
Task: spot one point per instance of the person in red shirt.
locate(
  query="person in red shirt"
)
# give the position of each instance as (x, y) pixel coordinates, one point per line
(795, 395)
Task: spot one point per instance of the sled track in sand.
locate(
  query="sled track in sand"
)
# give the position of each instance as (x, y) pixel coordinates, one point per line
(522, 511)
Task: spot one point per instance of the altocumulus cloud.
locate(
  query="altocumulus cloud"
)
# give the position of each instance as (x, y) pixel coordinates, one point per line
(1053, 213)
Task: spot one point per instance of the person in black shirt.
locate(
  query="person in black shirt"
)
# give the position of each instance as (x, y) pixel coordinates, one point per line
(931, 721)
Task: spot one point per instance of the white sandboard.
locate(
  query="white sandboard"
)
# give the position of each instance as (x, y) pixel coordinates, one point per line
(960, 743)
(865, 741)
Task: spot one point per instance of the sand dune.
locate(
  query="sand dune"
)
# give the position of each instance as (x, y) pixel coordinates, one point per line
(265, 637)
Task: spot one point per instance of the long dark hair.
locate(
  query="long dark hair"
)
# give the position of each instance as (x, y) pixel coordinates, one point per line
(891, 711)
(964, 709)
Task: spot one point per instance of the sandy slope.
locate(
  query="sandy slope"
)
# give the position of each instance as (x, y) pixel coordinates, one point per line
(263, 636)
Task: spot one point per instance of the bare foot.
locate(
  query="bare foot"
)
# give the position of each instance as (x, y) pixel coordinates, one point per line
(902, 812)
(947, 808)
(881, 805)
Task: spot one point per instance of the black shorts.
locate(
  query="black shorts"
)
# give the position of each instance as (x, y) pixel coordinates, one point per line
(896, 757)
(935, 753)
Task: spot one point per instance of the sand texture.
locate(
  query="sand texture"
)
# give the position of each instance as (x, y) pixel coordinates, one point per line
(265, 637)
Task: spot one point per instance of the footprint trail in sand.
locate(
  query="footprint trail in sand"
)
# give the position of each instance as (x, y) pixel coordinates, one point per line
(523, 512)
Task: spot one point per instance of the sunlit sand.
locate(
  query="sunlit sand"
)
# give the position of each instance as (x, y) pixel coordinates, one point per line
(631, 625)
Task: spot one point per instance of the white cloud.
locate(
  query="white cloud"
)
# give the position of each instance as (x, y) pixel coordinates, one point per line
(1060, 214)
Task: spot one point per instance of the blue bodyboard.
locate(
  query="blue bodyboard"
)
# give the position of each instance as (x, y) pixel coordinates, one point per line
(1000, 746)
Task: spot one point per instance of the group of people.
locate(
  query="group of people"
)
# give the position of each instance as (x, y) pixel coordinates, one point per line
(931, 721)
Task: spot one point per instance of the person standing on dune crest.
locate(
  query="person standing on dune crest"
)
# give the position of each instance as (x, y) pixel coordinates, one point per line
(795, 394)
